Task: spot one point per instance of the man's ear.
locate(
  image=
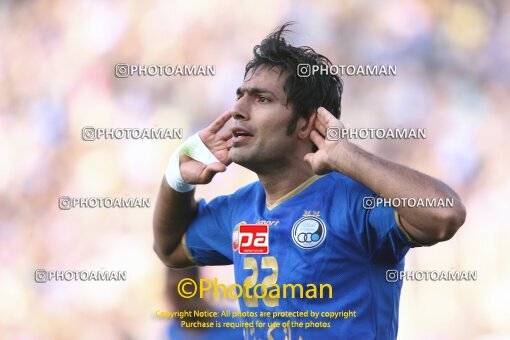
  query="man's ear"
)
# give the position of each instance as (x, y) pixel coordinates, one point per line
(305, 126)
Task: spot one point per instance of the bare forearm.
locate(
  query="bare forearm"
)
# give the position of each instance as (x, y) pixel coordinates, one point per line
(391, 180)
(173, 214)
(190, 165)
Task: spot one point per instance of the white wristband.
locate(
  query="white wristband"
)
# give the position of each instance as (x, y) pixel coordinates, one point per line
(193, 147)
(173, 175)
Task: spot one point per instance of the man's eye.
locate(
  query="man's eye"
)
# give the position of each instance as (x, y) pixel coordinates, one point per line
(263, 99)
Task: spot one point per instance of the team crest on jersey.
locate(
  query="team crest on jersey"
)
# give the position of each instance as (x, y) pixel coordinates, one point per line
(309, 231)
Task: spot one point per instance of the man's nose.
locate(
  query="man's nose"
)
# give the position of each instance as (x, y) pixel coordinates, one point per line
(240, 110)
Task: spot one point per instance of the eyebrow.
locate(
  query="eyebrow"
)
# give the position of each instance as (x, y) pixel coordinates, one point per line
(254, 90)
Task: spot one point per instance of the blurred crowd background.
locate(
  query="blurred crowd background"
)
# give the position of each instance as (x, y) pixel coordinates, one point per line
(57, 62)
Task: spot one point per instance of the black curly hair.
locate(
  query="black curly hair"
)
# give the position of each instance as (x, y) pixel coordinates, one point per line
(308, 93)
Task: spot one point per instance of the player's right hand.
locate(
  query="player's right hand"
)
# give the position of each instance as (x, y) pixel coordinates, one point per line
(195, 172)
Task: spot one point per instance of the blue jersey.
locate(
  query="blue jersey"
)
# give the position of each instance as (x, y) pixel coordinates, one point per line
(318, 234)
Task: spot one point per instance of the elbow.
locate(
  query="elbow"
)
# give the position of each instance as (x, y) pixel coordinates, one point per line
(168, 259)
(450, 222)
(164, 257)
(160, 254)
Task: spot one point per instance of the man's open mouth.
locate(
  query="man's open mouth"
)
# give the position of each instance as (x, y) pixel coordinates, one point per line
(240, 135)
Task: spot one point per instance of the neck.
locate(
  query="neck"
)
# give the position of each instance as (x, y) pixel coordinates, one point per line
(279, 182)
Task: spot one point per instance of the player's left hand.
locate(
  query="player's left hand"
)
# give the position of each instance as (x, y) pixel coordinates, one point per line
(326, 135)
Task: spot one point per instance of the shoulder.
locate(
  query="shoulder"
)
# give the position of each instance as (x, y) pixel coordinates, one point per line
(242, 194)
(248, 190)
(344, 184)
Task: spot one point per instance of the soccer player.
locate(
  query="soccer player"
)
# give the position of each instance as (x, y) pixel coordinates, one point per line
(311, 193)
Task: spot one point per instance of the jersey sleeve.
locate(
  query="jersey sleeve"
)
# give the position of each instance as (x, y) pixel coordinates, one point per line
(208, 240)
(378, 229)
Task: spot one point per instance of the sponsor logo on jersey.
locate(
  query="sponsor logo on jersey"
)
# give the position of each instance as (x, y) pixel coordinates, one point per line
(235, 233)
(251, 238)
(309, 231)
